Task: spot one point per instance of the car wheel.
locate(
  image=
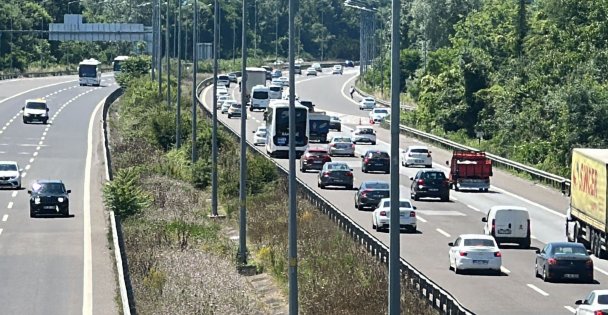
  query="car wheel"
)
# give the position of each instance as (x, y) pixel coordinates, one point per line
(229, 116)
(415, 197)
(525, 244)
(65, 212)
(373, 142)
(388, 172)
(322, 186)
(428, 166)
(536, 275)
(45, 121)
(445, 198)
(359, 207)
(456, 270)
(339, 129)
(24, 121)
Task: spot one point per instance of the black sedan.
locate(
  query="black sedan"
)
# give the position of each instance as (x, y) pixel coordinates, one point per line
(564, 261)
(369, 194)
(336, 174)
(376, 161)
(49, 197)
(335, 123)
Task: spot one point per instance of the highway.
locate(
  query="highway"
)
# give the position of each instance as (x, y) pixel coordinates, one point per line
(55, 265)
(516, 291)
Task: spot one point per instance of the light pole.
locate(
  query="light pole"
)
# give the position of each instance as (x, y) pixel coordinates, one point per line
(255, 28)
(178, 119)
(168, 54)
(194, 70)
(214, 117)
(243, 175)
(293, 207)
(276, 32)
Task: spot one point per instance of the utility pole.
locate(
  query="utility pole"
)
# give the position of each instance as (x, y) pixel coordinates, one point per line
(178, 119)
(214, 118)
(394, 287)
(293, 206)
(242, 187)
(168, 54)
(194, 70)
(255, 28)
(160, 48)
(154, 46)
(276, 32)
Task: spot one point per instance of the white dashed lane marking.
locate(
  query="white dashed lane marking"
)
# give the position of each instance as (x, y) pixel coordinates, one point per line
(15, 194)
(27, 167)
(0, 231)
(444, 233)
(10, 205)
(570, 308)
(473, 208)
(4, 218)
(537, 289)
(420, 218)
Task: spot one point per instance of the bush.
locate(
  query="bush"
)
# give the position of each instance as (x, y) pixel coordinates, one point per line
(123, 195)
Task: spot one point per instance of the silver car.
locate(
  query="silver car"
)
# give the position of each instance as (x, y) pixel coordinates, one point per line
(364, 134)
(341, 145)
(336, 174)
(367, 103)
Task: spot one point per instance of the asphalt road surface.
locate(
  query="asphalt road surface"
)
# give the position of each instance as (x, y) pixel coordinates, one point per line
(55, 265)
(516, 291)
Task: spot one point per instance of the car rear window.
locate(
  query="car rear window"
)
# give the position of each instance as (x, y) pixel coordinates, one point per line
(379, 155)
(338, 167)
(342, 140)
(381, 111)
(433, 175)
(419, 151)
(317, 153)
(402, 204)
(478, 242)
(223, 77)
(602, 299)
(569, 250)
(366, 131)
(376, 185)
(275, 88)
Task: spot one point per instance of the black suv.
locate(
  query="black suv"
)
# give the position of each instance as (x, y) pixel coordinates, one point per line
(49, 197)
(369, 194)
(376, 160)
(430, 183)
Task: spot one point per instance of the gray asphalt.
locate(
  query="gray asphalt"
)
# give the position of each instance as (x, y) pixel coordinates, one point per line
(517, 291)
(42, 259)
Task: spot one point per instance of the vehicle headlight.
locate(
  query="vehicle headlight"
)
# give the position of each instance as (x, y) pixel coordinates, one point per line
(26, 114)
(37, 200)
(60, 199)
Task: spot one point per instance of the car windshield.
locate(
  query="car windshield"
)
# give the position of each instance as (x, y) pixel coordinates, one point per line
(381, 111)
(35, 105)
(342, 140)
(236, 105)
(368, 100)
(260, 95)
(338, 167)
(419, 150)
(8, 167)
(376, 186)
(402, 204)
(379, 155)
(433, 175)
(478, 242)
(569, 250)
(275, 88)
(87, 71)
(52, 188)
(223, 77)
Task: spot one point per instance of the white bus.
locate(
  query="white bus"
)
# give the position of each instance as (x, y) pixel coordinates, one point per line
(260, 97)
(117, 64)
(89, 72)
(277, 126)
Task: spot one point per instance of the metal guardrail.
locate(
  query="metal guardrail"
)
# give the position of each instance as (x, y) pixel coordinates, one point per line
(439, 298)
(555, 181)
(120, 255)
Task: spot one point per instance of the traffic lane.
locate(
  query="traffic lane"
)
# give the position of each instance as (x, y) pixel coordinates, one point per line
(434, 258)
(60, 159)
(9, 88)
(314, 90)
(336, 100)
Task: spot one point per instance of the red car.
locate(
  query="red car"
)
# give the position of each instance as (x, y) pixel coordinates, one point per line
(314, 158)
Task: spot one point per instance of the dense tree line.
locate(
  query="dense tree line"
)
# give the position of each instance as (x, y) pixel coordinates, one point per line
(325, 29)
(530, 75)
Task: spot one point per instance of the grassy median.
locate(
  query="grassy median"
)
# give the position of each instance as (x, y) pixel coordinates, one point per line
(182, 262)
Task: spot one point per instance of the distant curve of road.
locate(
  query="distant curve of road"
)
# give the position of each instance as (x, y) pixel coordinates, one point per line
(516, 291)
(55, 265)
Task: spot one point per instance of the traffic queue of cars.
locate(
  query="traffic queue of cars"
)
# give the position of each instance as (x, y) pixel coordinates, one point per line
(47, 197)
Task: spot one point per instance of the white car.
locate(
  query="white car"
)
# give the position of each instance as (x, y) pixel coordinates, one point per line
(299, 60)
(234, 110)
(221, 99)
(276, 81)
(416, 155)
(226, 105)
(10, 174)
(337, 69)
(597, 300)
(311, 71)
(381, 218)
(367, 103)
(317, 67)
(284, 81)
(221, 91)
(259, 136)
(377, 115)
(275, 91)
(364, 134)
(35, 110)
(223, 80)
(475, 252)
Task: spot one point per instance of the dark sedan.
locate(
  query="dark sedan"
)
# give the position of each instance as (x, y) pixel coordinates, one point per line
(430, 183)
(336, 174)
(376, 161)
(370, 193)
(313, 159)
(49, 197)
(564, 261)
(335, 123)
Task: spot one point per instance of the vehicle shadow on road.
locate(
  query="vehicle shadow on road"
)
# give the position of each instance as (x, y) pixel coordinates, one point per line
(516, 247)
(53, 216)
(472, 191)
(484, 273)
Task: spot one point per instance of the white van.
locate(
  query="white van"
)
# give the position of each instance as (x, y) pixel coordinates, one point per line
(508, 224)
(260, 97)
(275, 91)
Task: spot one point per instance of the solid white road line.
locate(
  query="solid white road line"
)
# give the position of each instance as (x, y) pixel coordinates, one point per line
(4, 218)
(34, 89)
(535, 288)
(10, 205)
(443, 232)
(87, 279)
(0, 231)
(570, 308)
(601, 270)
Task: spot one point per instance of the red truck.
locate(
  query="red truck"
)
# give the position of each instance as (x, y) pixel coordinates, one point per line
(470, 170)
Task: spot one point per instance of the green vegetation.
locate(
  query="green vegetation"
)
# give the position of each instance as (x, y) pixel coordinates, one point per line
(171, 239)
(530, 76)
